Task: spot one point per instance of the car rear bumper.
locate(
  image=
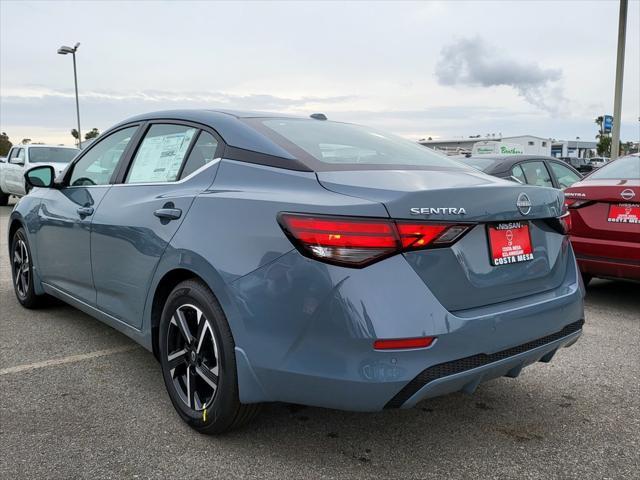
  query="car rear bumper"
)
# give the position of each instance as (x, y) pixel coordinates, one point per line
(607, 258)
(311, 342)
(467, 373)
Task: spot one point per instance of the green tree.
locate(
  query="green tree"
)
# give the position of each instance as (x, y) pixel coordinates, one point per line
(5, 144)
(93, 133)
(25, 141)
(604, 146)
(75, 134)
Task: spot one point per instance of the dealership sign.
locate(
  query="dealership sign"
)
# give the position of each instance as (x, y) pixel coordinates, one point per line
(494, 147)
(511, 149)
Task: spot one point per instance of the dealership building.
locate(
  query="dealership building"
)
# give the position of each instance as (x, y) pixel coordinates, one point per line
(520, 144)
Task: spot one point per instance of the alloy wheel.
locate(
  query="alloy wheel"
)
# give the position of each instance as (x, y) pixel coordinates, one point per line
(192, 357)
(21, 267)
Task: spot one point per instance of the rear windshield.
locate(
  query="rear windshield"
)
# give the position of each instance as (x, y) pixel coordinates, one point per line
(480, 163)
(334, 144)
(623, 168)
(51, 154)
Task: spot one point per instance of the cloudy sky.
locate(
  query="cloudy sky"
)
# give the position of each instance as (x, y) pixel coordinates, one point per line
(439, 69)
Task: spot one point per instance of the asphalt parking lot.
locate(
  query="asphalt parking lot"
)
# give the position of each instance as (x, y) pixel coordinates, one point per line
(79, 400)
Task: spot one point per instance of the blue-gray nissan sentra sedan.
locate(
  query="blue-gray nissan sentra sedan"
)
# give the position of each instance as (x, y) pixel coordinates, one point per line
(269, 258)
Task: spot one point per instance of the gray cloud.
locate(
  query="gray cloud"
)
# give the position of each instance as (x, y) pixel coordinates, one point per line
(472, 62)
(53, 108)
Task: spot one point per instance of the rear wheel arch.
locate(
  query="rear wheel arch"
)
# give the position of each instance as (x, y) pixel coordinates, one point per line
(166, 284)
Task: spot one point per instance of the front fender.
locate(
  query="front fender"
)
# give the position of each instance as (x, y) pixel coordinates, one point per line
(25, 215)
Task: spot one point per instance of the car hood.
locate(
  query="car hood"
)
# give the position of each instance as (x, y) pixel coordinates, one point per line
(480, 196)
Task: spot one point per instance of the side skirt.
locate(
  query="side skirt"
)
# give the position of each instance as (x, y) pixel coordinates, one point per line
(131, 332)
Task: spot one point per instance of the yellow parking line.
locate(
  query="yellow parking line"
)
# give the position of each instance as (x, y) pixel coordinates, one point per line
(70, 359)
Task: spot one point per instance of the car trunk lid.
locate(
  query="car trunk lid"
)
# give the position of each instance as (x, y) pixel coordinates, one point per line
(462, 276)
(605, 209)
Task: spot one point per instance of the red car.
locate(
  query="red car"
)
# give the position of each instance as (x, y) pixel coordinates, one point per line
(605, 220)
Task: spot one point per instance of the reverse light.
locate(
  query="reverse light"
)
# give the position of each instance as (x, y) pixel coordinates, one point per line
(403, 343)
(357, 242)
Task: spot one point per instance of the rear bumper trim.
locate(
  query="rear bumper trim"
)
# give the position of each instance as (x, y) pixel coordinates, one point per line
(468, 363)
(594, 258)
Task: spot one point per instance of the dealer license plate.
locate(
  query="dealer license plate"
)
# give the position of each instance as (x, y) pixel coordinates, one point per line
(624, 213)
(510, 242)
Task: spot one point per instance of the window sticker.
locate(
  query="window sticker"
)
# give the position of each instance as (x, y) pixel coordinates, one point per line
(159, 158)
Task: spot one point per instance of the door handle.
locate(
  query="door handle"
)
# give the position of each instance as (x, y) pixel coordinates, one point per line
(85, 211)
(168, 213)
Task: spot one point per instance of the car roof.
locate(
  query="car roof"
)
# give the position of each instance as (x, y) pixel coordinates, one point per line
(36, 145)
(229, 124)
(504, 162)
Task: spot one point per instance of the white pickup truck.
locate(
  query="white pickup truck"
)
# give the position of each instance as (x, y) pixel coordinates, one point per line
(22, 157)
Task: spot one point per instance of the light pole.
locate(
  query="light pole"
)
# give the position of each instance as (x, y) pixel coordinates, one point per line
(617, 100)
(63, 51)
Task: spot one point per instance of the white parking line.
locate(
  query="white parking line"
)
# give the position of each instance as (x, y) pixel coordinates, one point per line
(70, 359)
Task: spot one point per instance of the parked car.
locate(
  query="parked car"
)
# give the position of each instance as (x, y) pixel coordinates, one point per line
(527, 169)
(580, 164)
(272, 258)
(597, 162)
(605, 221)
(23, 157)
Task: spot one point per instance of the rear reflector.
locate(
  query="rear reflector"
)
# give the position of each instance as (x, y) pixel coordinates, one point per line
(357, 242)
(401, 343)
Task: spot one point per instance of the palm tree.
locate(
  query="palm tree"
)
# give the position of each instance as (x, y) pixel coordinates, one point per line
(599, 121)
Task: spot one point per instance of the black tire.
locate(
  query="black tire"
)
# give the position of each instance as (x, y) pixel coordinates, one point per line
(586, 278)
(4, 199)
(23, 289)
(222, 411)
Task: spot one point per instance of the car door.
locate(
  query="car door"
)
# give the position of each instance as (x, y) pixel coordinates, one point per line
(15, 171)
(65, 214)
(143, 210)
(563, 176)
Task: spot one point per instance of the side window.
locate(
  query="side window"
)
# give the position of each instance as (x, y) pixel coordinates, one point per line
(565, 177)
(517, 172)
(204, 151)
(537, 174)
(17, 156)
(160, 154)
(99, 163)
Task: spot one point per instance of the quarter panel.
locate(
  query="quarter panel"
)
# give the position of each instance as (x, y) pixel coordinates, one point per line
(233, 224)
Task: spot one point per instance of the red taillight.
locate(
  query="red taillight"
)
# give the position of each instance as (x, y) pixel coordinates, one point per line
(565, 222)
(418, 235)
(358, 242)
(401, 343)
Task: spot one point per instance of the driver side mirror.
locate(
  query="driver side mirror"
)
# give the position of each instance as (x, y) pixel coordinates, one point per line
(40, 176)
